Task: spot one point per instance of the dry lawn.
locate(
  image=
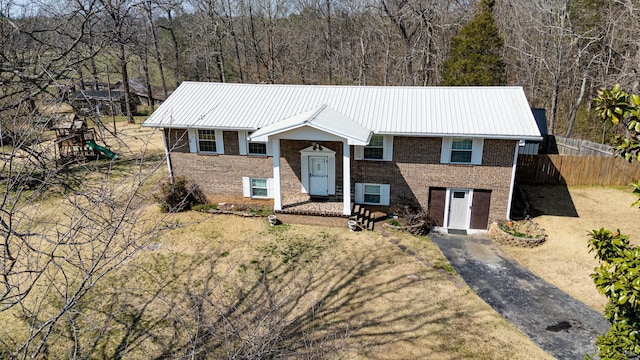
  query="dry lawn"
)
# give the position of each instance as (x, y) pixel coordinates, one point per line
(221, 286)
(350, 298)
(339, 294)
(568, 215)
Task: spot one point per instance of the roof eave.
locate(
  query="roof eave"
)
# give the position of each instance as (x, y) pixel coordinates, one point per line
(263, 137)
(473, 136)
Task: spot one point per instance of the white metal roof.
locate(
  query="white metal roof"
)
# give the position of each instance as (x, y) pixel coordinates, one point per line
(324, 118)
(489, 112)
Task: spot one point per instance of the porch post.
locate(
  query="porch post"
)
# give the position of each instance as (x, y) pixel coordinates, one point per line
(346, 178)
(277, 195)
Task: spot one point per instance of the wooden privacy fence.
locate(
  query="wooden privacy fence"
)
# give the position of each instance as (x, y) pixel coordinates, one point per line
(575, 170)
(566, 146)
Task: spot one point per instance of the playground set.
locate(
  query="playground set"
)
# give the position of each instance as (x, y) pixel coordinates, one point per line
(74, 140)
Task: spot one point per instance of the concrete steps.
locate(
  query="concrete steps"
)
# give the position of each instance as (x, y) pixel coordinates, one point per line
(365, 218)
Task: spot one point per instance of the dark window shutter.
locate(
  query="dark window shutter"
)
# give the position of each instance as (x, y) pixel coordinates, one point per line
(480, 209)
(437, 199)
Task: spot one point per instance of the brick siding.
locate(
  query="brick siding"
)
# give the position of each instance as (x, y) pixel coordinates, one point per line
(290, 166)
(415, 168)
(231, 143)
(177, 140)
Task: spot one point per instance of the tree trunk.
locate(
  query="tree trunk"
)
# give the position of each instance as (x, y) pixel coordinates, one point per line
(80, 78)
(554, 105)
(362, 73)
(147, 78)
(410, 80)
(220, 63)
(234, 36)
(154, 38)
(574, 108)
(387, 59)
(94, 72)
(256, 45)
(329, 45)
(176, 54)
(125, 84)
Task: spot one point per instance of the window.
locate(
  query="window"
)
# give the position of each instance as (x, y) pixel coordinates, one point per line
(373, 194)
(380, 147)
(461, 151)
(207, 141)
(259, 188)
(257, 148)
(375, 149)
(247, 147)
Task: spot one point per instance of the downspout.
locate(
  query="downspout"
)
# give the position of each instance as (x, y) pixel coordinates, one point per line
(166, 154)
(513, 180)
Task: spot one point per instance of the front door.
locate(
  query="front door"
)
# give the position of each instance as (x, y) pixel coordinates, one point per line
(318, 175)
(459, 209)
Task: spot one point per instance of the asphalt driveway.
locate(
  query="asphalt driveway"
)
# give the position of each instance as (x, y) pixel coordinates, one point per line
(558, 323)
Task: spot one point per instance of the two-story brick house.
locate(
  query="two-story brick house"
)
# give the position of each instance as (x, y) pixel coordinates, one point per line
(452, 150)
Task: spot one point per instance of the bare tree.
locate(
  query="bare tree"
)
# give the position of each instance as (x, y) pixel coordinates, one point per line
(64, 225)
(121, 22)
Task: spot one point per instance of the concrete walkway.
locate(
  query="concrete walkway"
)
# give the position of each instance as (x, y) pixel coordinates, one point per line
(558, 323)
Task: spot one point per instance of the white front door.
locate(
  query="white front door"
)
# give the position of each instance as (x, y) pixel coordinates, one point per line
(459, 209)
(318, 175)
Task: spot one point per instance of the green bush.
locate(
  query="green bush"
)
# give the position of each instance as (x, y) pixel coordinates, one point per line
(178, 195)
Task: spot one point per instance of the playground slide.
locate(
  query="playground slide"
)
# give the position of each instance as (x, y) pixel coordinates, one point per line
(108, 153)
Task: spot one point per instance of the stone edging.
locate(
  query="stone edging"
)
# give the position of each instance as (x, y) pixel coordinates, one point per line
(504, 238)
(231, 212)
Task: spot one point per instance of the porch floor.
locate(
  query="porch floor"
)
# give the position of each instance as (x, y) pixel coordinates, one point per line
(303, 204)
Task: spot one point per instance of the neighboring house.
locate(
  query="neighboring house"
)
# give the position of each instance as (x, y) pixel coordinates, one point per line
(452, 150)
(101, 98)
(98, 101)
(139, 92)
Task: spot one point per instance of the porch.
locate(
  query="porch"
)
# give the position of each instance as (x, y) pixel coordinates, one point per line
(332, 207)
(313, 148)
(304, 204)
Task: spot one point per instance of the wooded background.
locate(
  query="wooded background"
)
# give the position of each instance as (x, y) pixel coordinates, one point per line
(560, 51)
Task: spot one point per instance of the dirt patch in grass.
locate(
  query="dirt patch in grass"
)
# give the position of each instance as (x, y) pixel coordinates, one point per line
(567, 215)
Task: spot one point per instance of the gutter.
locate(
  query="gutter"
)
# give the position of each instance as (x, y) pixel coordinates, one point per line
(467, 136)
(434, 135)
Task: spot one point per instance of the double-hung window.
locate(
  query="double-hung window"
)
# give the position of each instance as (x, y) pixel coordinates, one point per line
(373, 194)
(461, 151)
(206, 141)
(380, 147)
(259, 188)
(248, 147)
(257, 148)
(375, 149)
